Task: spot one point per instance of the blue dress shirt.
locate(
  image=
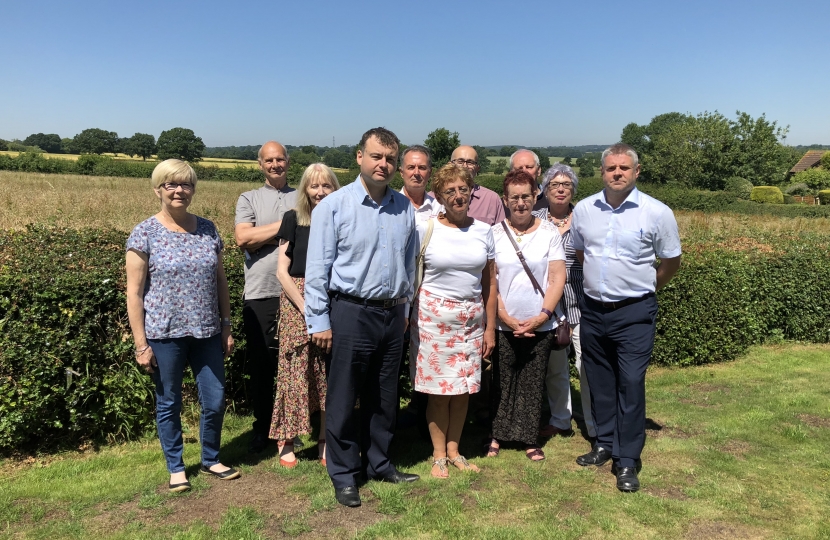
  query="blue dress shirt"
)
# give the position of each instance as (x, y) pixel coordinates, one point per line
(358, 247)
(622, 244)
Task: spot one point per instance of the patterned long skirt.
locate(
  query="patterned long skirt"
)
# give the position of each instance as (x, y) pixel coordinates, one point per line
(301, 375)
(518, 385)
(446, 343)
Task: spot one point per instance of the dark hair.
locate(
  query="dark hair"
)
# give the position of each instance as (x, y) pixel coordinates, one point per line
(519, 178)
(449, 173)
(383, 135)
(418, 148)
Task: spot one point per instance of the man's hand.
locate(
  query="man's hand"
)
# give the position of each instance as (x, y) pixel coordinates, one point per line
(322, 340)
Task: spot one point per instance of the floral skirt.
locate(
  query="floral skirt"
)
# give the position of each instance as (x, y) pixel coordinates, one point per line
(301, 374)
(446, 343)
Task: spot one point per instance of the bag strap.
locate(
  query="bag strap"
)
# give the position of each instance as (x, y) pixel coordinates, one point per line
(420, 259)
(522, 259)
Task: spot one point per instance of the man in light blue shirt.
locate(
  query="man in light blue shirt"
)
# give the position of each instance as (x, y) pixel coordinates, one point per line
(618, 234)
(359, 277)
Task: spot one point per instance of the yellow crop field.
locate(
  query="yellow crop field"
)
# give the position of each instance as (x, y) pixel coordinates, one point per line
(221, 163)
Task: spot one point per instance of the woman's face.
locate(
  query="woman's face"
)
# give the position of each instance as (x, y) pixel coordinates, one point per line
(455, 196)
(560, 190)
(520, 199)
(176, 193)
(317, 189)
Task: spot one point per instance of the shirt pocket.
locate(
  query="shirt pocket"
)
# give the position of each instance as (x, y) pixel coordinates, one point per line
(630, 243)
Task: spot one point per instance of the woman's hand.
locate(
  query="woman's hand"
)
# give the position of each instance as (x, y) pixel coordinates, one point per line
(510, 322)
(227, 341)
(488, 343)
(526, 327)
(146, 359)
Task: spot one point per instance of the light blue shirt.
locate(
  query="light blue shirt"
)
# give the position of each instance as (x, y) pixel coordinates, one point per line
(622, 244)
(358, 247)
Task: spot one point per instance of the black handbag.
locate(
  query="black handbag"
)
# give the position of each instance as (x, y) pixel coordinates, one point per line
(562, 332)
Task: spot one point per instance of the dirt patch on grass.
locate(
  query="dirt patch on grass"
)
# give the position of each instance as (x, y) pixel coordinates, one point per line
(704, 394)
(659, 429)
(262, 490)
(716, 530)
(745, 244)
(814, 421)
(672, 492)
(739, 449)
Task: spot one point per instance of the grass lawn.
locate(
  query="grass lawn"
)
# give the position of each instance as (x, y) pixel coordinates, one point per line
(733, 451)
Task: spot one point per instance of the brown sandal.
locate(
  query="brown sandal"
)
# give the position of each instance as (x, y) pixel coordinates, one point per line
(535, 453)
(490, 449)
(285, 463)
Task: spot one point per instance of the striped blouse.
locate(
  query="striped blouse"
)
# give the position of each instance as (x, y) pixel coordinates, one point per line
(573, 284)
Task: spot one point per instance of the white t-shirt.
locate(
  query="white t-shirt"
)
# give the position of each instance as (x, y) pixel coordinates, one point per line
(521, 299)
(455, 259)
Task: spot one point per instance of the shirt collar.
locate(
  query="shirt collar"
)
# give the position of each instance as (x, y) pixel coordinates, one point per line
(362, 195)
(283, 189)
(633, 199)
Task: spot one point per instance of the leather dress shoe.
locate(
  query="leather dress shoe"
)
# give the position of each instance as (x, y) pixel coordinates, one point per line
(638, 466)
(598, 456)
(627, 480)
(398, 477)
(347, 496)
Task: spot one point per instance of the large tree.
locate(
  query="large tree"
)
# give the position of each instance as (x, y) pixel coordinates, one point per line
(180, 143)
(95, 141)
(50, 143)
(441, 143)
(141, 144)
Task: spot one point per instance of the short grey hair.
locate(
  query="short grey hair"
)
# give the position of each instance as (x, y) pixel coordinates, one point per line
(172, 169)
(620, 149)
(417, 148)
(519, 151)
(559, 169)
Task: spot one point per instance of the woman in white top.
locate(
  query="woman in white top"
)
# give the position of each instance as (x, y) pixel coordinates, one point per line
(525, 315)
(449, 334)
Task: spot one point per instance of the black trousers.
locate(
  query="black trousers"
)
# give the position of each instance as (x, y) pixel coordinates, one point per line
(616, 350)
(260, 318)
(365, 359)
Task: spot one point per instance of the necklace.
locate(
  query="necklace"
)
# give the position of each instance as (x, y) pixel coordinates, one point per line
(524, 232)
(557, 222)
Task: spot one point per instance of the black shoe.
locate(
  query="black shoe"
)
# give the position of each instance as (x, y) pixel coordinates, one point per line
(638, 465)
(180, 487)
(347, 496)
(258, 443)
(599, 456)
(398, 477)
(230, 474)
(627, 479)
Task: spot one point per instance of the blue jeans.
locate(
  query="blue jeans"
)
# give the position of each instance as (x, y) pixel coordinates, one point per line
(206, 359)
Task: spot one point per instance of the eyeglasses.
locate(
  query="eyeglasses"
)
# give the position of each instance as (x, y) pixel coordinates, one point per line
(557, 185)
(172, 186)
(516, 198)
(463, 162)
(463, 191)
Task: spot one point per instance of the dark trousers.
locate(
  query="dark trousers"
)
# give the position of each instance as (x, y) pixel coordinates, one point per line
(365, 359)
(260, 319)
(616, 350)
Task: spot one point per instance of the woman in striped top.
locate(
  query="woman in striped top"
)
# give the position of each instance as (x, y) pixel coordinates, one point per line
(559, 185)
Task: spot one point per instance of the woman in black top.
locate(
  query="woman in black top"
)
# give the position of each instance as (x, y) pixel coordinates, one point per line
(301, 377)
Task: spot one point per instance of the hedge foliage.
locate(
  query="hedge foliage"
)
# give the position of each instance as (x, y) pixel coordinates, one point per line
(767, 195)
(63, 307)
(824, 196)
(741, 187)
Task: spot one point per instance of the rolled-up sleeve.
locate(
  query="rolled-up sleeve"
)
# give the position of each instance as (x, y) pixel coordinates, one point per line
(667, 239)
(322, 246)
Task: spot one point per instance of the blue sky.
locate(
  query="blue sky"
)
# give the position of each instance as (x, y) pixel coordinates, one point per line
(523, 72)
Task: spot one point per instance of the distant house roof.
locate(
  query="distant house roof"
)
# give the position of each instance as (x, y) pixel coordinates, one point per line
(810, 160)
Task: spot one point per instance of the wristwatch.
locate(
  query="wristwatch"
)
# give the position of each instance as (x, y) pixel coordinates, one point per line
(226, 322)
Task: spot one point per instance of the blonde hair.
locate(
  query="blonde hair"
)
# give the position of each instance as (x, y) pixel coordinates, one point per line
(170, 169)
(450, 173)
(315, 171)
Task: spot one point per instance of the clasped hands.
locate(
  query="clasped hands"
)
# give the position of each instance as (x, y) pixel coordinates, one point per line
(525, 328)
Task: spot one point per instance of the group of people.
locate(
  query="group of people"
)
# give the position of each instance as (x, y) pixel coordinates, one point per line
(340, 282)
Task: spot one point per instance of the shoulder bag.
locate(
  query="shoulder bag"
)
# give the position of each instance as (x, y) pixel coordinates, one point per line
(563, 329)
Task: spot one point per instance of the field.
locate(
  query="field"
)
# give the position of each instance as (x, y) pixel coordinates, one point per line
(207, 162)
(735, 450)
(492, 159)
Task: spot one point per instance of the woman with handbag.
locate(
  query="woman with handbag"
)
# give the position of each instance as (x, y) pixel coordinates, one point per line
(528, 253)
(559, 185)
(449, 333)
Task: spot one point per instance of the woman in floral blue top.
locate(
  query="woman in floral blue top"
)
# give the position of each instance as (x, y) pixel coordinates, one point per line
(179, 309)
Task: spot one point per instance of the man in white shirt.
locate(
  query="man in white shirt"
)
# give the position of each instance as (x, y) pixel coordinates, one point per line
(416, 168)
(618, 234)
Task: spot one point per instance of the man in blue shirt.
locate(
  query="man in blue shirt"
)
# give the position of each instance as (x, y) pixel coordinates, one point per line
(360, 271)
(618, 234)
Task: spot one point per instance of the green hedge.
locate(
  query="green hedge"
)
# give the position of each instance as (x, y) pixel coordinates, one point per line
(824, 196)
(62, 306)
(767, 195)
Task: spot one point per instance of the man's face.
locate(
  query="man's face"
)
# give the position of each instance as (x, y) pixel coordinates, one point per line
(524, 161)
(466, 156)
(273, 162)
(415, 172)
(377, 162)
(619, 173)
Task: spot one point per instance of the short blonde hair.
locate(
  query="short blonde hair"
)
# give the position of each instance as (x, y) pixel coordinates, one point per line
(450, 173)
(315, 171)
(172, 169)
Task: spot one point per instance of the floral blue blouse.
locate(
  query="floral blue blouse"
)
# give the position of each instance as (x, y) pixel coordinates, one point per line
(180, 292)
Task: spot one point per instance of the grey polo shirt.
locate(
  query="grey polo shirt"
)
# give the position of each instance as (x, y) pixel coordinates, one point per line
(263, 206)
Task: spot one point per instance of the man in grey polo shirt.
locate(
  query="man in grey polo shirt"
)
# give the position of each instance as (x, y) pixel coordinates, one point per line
(258, 217)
